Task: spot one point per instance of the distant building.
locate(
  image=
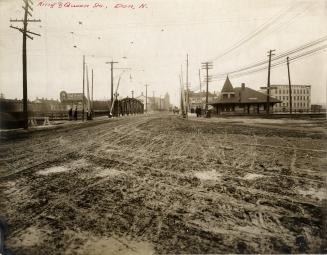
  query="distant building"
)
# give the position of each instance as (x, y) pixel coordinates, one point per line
(143, 100)
(241, 100)
(166, 102)
(198, 99)
(71, 100)
(45, 105)
(317, 108)
(301, 98)
(156, 103)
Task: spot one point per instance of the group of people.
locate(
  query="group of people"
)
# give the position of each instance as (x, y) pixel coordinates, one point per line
(72, 115)
(198, 111)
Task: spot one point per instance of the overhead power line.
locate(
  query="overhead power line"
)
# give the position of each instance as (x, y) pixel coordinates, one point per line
(250, 36)
(293, 59)
(282, 55)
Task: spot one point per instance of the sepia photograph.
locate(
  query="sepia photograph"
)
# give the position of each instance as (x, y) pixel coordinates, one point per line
(138, 127)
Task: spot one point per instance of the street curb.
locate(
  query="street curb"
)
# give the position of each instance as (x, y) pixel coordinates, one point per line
(17, 133)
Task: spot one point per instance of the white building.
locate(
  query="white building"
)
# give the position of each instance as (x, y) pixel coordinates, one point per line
(301, 98)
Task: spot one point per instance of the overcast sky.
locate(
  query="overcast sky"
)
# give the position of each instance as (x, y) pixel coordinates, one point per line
(154, 41)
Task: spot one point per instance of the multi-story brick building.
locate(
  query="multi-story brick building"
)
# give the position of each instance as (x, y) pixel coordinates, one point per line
(301, 98)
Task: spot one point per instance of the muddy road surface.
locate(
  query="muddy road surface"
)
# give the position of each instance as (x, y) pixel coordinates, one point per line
(161, 185)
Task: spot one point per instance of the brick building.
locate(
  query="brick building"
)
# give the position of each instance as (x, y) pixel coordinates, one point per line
(301, 98)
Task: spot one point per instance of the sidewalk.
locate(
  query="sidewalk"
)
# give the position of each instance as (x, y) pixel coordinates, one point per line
(54, 126)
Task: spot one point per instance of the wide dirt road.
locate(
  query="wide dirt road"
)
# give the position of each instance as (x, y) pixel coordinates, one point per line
(162, 184)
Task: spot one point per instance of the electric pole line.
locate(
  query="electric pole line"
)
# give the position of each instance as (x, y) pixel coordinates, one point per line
(268, 82)
(26, 34)
(160, 104)
(153, 100)
(200, 80)
(92, 111)
(289, 84)
(187, 86)
(112, 79)
(207, 66)
(146, 97)
(83, 102)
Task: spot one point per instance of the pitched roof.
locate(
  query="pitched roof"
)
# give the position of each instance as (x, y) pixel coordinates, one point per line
(245, 95)
(228, 87)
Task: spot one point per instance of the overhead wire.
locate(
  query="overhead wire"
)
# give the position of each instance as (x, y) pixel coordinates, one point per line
(283, 54)
(260, 29)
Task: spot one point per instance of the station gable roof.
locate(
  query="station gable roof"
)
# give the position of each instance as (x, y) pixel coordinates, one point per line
(228, 87)
(245, 95)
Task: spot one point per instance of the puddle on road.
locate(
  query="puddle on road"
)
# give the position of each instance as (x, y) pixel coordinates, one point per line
(208, 175)
(319, 194)
(252, 176)
(53, 170)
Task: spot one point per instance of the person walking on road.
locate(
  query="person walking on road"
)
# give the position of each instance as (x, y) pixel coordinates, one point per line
(70, 113)
(75, 113)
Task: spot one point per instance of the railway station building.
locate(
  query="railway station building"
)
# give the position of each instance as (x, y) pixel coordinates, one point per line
(241, 100)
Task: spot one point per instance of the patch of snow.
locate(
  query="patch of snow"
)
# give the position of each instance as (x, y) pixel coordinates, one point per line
(208, 175)
(105, 172)
(53, 170)
(252, 176)
(117, 246)
(319, 194)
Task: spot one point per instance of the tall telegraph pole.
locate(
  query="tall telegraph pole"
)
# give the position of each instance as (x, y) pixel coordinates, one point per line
(83, 101)
(92, 112)
(153, 100)
(146, 97)
(268, 82)
(26, 34)
(207, 66)
(112, 79)
(289, 84)
(187, 86)
(200, 80)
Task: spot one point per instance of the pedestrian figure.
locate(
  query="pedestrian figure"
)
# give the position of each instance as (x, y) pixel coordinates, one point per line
(197, 111)
(75, 113)
(70, 114)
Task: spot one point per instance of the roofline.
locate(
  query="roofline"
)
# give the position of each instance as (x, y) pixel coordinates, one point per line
(272, 85)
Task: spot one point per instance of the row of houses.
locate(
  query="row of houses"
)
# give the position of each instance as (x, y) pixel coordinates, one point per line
(246, 100)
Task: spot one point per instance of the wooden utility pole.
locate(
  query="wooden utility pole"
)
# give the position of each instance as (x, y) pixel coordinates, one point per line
(92, 111)
(112, 79)
(185, 114)
(26, 34)
(268, 82)
(146, 98)
(187, 87)
(83, 102)
(200, 80)
(160, 103)
(154, 101)
(289, 84)
(207, 66)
